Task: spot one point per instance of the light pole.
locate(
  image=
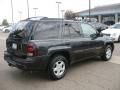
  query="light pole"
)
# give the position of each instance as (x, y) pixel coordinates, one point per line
(58, 9)
(35, 10)
(89, 10)
(62, 11)
(12, 12)
(28, 7)
(20, 13)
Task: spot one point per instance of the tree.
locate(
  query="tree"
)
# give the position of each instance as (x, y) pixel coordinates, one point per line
(70, 15)
(5, 22)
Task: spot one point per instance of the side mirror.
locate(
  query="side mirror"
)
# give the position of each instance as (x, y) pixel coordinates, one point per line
(99, 34)
(99, 30)
(93, 36)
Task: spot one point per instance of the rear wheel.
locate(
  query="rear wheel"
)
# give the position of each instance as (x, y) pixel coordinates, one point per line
(108, 53)
(58, 67)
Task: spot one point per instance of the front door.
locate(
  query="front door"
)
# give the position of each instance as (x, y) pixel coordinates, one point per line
(94, 42)
(77, 42)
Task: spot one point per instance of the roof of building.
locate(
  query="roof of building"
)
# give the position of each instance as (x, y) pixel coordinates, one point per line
(102, 10)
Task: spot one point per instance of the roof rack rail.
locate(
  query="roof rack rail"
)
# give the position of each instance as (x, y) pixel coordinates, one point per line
(36, 18)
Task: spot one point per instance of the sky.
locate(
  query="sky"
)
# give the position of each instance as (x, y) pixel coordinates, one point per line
(46, 8)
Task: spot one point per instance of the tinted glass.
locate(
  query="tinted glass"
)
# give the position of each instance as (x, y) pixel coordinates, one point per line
(47, 30)
(75, 30)
(66, 32)
(88, 30)
(22, 29)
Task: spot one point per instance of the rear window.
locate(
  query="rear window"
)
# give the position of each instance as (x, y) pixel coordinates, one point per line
(22, 29)
(47, 30)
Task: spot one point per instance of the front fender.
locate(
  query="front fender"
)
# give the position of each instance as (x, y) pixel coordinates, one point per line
(109, 42)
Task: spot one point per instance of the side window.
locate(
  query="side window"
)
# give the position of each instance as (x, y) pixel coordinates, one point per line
(88, 30)
(47, 30)
(66, 32)
(75, 30)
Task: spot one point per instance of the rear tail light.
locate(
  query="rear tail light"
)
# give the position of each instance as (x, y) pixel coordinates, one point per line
(31, 49)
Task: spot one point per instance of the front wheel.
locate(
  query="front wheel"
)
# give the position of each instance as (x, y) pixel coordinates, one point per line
(107, 54)
(58, 67)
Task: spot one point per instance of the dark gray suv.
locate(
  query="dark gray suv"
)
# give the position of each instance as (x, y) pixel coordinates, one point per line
(54, 44)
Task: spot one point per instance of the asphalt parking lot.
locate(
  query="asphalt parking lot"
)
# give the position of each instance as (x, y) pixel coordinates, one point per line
(93, 74)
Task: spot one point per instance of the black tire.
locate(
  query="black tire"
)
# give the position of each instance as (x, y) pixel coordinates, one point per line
(119, 39)
(104, 56)
(51, 67)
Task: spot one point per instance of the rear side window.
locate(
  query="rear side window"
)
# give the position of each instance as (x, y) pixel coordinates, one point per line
(47, 30)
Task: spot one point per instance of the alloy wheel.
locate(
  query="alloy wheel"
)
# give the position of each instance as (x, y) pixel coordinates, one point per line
(108, 53)
(59, 68)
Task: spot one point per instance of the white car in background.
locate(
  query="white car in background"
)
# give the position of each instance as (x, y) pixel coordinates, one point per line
(7, 29)
(113, 31)
(1, 28)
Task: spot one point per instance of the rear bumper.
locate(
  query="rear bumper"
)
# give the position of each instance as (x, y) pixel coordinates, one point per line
(30, 63)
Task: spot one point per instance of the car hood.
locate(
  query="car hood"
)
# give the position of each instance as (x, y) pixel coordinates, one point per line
(111, 31)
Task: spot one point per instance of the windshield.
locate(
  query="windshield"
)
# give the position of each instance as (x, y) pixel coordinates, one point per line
(116, 26)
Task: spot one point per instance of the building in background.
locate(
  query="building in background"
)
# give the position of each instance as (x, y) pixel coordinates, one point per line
(108, 14)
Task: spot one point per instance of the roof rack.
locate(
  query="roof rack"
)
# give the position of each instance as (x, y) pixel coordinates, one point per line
(36, 18)
(40, 18)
